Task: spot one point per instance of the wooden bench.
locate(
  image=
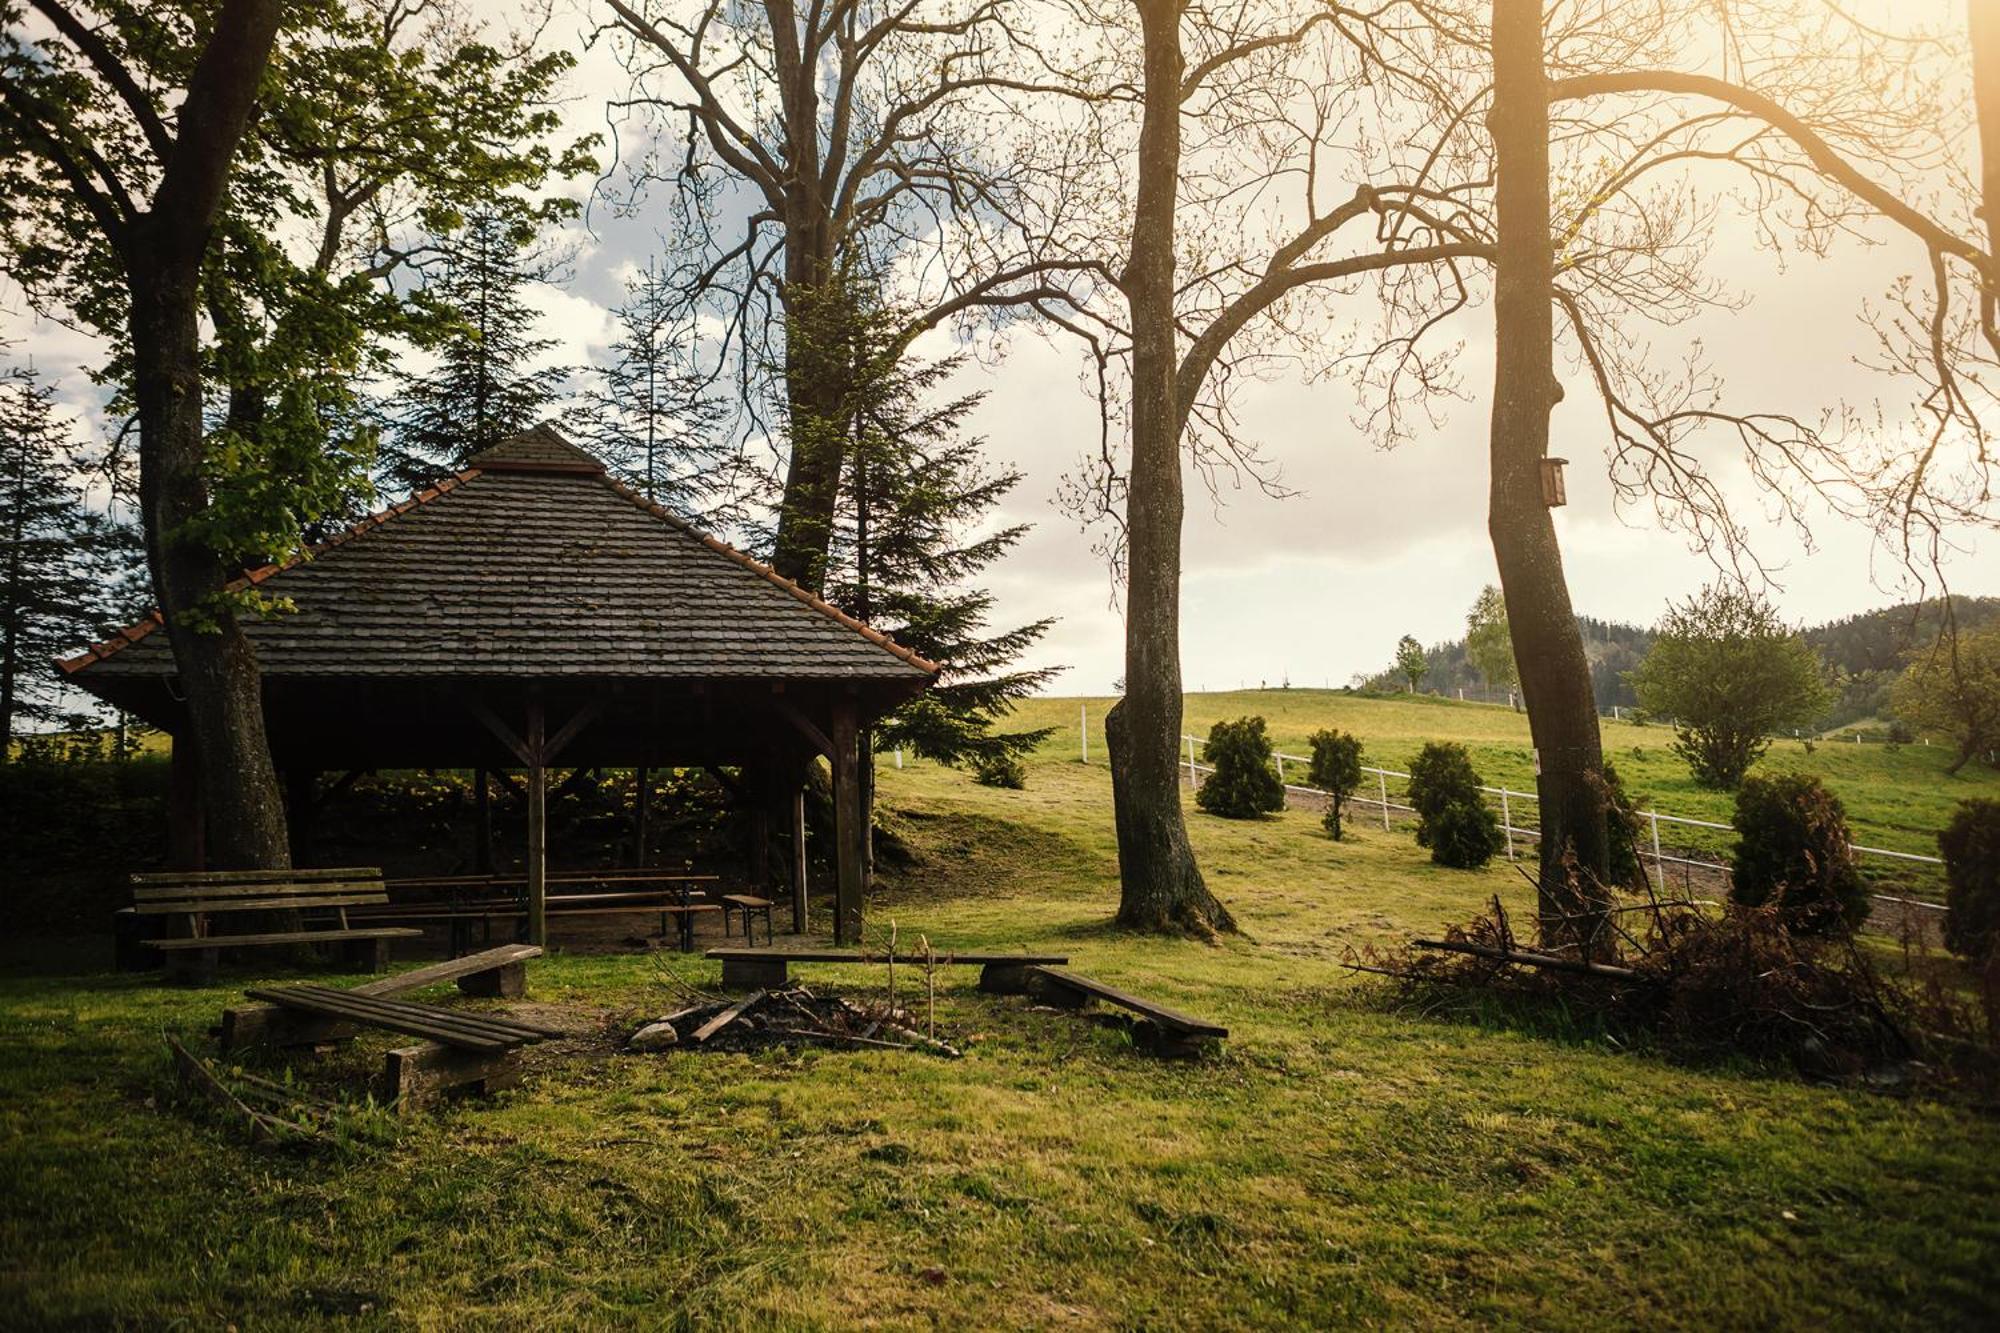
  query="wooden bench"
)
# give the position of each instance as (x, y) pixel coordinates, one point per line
(750, 906)
(197, 898)
(766, 969)
(460, 900)
(461, 1049)
(1164, 1032)
(500, 973)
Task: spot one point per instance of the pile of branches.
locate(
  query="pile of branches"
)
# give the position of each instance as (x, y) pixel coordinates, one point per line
(1717, 980)
(791, 1016)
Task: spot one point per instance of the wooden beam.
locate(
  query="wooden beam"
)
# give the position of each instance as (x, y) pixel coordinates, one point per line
(482, 836)
(799, 861)
(580, 719)
(641, 803)
(820, 741)
(849, 810)
(184, 815)
(538, 830)
(520, 749)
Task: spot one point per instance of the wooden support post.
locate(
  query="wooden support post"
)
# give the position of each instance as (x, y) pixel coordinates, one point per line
(799, 884)
(641, 805)
(538, 828)
(848, 813)
(184, 815)
(760, 832)
(301, 803)
(482, 837)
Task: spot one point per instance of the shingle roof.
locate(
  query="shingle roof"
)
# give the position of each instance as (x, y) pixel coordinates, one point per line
(533, 563)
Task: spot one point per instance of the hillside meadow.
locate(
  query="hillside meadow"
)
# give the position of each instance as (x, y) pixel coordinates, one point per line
(1344, 1160)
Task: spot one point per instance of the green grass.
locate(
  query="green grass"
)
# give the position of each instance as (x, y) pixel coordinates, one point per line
(1340, 1163)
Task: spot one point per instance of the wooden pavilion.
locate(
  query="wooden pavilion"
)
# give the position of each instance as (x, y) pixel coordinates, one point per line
(529, 609)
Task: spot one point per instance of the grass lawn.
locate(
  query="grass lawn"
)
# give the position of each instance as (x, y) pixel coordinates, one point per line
(1339, 1163)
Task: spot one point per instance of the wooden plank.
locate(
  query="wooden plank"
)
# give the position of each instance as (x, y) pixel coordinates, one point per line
(415, 1076)
(234, 892)
(220, 877)
(211, 906)
(1159, 1013)
(726, 1017)
(449, 970)
(397, 1016)
(470, 1020)
(288, 937)
(734, 954)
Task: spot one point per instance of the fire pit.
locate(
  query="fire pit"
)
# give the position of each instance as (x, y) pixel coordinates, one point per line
(790, 1016)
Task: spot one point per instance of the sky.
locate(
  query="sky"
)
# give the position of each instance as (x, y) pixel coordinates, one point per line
(1371, 544)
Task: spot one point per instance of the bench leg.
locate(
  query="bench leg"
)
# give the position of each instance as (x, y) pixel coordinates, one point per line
(194, 967)
(415, 1077)
(753, 973)
(461, 936)
(367, 955)
(1167, 1044)
(507, 982)
(1004, 979)
(770, 937)
(1053, 993)
(247, 1025)
(687, 932)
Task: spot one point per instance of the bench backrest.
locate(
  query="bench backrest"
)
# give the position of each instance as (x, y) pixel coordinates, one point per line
(210, 891)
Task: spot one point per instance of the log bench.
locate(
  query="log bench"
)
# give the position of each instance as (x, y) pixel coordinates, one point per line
(462, 1050)
(766, 969)
(1162, 1031)
(497, 973)
(320, 898)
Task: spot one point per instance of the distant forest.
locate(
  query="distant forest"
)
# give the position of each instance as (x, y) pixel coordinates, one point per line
(1863, 653)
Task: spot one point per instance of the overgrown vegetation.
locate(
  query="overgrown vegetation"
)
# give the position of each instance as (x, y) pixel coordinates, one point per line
(1794, 852)
(1243, 785)
(1970, 845)
(1452, 817)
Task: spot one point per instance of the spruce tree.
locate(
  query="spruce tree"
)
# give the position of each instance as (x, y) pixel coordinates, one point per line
(650, 416)
(910, 539)
(474, 319)
(52, 552)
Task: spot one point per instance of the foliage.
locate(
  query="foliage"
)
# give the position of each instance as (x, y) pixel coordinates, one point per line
(651, 416)
(60, 560)
(1794, 851)
(486, 384)
(1627, 866)
(1730, 674)
(1453, 819)
(913, 532)
(1336, 770)
(1243, 785)
(1970, 845)
(1489, 643)
(1000, 770)
(1953, 689)
(1411, 664)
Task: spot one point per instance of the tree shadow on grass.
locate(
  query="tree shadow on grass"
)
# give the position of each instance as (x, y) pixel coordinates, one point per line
(931, 856)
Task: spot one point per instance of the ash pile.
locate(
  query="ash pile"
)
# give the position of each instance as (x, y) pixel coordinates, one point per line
(793, 1016)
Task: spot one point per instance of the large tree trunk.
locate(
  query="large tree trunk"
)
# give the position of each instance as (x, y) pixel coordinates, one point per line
(1548, 646)
(1160, 887)
(163, 257)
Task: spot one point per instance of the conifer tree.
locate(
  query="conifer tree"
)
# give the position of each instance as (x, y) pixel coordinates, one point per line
(912, 534)
(52, 549)
(650, 416)
(474, 318)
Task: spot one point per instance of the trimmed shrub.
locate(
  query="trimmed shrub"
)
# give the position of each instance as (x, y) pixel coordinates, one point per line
(1000, 770)
(1626, 865)
(1336, 770)
(1793, 851)
(1452, 819)
(1243, 785)
(1970, 845)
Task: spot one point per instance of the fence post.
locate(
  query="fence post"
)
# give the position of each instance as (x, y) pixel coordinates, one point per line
(1083, 728)
(1281, 768)
(1507, 822)
(1382, 780)
(899, 756)
(1192, 781)
(1659, 867)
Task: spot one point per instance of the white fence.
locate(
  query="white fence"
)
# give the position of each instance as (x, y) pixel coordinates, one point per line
(1507, 798)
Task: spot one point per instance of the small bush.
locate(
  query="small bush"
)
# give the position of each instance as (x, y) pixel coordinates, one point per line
(1970, 845)
(1793, 850)
(1336, 770)
(1000, 770)
(1452, 820)
(1626, 865)
(1243, 785)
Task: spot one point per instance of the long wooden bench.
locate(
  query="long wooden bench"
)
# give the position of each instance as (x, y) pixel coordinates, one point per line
(195, 899)
(1164, 1032)
(461, 900)
(766, 969)
(500, 973)
(461, 1049)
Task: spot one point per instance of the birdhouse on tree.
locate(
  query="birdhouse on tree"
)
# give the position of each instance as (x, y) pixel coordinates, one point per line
(1552, 482)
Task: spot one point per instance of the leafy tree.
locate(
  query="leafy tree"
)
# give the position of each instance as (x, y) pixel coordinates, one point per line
(912, 535)
(1488, 643)
(485, 385)
(1336, 770)
(1970, 845)
(1243, 785)
(651, 416)
(1953, 689)
(53, 549)
(1411, 664)
(1793, 849)
(1730, 673)
(1452, 816)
